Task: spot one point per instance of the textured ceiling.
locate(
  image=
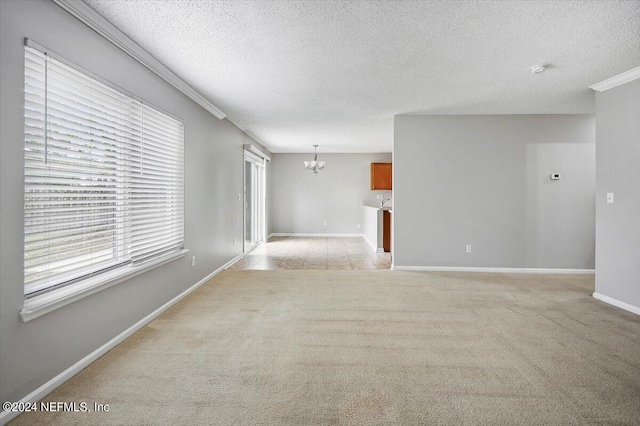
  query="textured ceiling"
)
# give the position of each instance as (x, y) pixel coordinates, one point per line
(292, 73)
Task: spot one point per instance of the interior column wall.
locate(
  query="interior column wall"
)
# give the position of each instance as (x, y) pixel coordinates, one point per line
(618, 170)
(484, 181)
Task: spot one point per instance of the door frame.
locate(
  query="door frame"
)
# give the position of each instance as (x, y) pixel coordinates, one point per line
(259, 194)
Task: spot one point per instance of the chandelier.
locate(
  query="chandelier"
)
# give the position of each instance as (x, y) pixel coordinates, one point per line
(314, 165)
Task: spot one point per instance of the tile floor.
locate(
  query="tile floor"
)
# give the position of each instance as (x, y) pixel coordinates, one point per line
(314, 253)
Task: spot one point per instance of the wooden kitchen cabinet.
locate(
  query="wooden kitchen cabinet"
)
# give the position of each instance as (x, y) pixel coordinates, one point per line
(381, 176)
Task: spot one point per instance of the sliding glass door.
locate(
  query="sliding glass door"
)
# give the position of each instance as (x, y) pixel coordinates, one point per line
(254, 200)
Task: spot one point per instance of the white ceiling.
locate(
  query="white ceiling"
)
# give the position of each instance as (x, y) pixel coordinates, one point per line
(296, 73)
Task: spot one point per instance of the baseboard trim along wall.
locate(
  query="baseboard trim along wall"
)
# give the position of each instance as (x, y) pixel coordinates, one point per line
(496, 270)
(287, 234)
(617, 303)
(51, 385)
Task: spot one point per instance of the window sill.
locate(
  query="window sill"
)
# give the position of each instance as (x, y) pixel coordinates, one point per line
(45, 303)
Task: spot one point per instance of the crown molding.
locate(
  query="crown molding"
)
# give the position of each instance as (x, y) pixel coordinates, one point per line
(96, 22)
(619, 79)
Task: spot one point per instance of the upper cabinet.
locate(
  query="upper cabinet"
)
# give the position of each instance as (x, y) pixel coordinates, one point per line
(381, 176)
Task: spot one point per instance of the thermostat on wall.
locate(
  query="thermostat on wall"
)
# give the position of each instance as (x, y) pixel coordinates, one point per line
(556, 176)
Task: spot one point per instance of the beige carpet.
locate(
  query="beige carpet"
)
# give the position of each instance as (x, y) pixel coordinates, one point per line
(371, 347)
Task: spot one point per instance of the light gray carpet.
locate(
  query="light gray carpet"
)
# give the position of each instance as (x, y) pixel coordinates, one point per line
(371, 347)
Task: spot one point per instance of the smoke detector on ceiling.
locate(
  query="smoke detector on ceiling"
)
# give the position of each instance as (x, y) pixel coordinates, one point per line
(538, 68)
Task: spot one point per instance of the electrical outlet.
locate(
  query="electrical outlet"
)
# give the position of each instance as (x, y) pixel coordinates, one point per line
(234, 241)
(358, 226)
(193, 261)
(239, 197)
(324, 223)
(468, 248)
(609, 197)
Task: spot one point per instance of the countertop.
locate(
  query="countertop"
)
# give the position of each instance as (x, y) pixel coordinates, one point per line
(376, 205)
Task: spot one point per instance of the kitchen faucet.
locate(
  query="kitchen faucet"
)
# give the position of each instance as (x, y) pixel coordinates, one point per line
(383, 201)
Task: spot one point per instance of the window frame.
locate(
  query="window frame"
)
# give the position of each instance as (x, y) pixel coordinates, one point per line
(54, 296)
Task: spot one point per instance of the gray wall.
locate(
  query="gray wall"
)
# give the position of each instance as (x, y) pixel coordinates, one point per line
(618, 169)
(34, 352)
(301, 202)
(484, 181)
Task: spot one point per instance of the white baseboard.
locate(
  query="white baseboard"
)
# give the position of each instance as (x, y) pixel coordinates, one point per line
(496, 270)
(269, 237)
(617, 303)
(295, 234)
(48, 387)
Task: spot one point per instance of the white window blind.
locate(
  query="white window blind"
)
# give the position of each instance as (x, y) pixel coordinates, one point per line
(104, 184)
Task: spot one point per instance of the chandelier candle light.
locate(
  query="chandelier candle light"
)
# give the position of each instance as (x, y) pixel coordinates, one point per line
(314, 165)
